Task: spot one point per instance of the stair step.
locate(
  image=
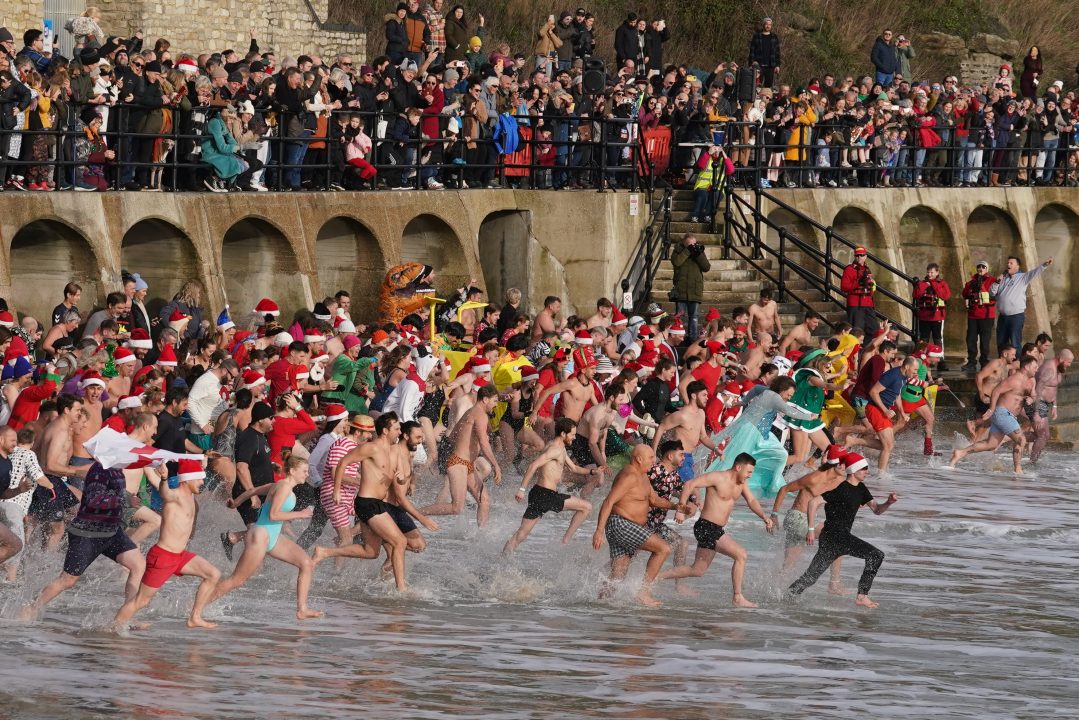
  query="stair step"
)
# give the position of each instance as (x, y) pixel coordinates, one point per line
(666, 274)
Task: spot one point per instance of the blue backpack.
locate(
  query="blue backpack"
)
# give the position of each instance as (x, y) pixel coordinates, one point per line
(505, 137)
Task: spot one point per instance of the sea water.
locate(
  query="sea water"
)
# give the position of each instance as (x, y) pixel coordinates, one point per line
(977, 619)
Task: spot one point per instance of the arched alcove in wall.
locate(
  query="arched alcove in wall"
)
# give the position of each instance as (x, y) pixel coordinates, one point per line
(349, 258)
(45, 255)
(430, 240)
(163, 256)
(1056, 231)
(257, 261)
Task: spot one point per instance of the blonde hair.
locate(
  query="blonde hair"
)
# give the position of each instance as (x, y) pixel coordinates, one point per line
(190, 293)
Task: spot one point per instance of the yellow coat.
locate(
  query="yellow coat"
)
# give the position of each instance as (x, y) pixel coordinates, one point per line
(798, 148)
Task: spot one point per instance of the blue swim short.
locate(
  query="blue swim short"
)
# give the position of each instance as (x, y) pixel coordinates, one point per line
(1003, 422)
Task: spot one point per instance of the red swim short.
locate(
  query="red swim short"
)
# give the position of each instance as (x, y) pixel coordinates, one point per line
(162, 564)
(910, 407)
(877, 418)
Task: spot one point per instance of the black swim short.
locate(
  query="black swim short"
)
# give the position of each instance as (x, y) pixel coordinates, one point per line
(541, 500)
(367, 508)
(404, 521)
(579, 451)
(980, 406)
(707, 533)
(82, 551)
(49, 508)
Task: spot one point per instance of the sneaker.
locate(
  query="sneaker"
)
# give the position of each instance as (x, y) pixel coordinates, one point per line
(80, 188)
(692, 218)
(765, 185)
(15, 184)
(433, 184)
(831, 183)
(259, 187)
(213, 185)
(133, 186)
(335, 187)
(968, 367)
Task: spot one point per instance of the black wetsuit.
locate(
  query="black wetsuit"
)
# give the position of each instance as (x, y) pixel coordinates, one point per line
(836, 540)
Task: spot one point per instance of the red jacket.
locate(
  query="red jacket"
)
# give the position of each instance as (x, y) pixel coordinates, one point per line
(979, 306)
(858, 285)
(929, 298)
(28, 404)
(285, 431)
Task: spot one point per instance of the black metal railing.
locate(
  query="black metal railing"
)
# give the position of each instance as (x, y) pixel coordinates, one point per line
(652, 250)
(745, 231)
(599, 153)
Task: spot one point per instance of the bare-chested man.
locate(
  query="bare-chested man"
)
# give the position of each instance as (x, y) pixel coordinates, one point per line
(1005, 405)
(688, 427)
(992, 374)
(799, 524)
(602, 318)
(545, 319)
(764, 316)
(119, 386)
(1046, 382)
(471, 440)
(378, 470)
(66, 478)
(589, 445)
(404, 513)
(574, 393)
(93, 387)
(548, 467)
(758, 355)
(801, 334)
(623, 521)
(144, 430)
(170, 555)
(722, 490)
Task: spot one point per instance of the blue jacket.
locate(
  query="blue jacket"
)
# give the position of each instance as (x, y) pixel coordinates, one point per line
(884, 57)
(505, 135)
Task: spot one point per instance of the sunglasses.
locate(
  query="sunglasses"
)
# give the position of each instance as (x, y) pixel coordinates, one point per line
(344, 64)
(138, 65)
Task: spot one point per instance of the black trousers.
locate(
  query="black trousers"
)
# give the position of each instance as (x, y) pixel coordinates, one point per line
(865, 318)
(978, 331)
(832, 547)
(931, 331)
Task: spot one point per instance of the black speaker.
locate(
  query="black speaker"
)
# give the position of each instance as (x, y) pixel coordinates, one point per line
(747, 84)
(594, 80)
(594, 63)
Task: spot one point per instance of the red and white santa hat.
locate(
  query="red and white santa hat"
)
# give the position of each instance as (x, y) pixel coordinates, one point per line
(188, 66)
(676, 328)
(267, 306)
(129, 402)
(302, 373)
(835, 454)
(478, 365)
(336, 412)
(122, 356)
(178, 320)
(140, 339)
(253, 379)
(479, 382)
(91, 378)
(529, 374)
(167, 358)
(934, 351)
(617, 318)
(189, 471)
(321, 358)
(854, 462)
(314, 337)
(733, 388)
(583, 337)
(6, 319)
(644, 331)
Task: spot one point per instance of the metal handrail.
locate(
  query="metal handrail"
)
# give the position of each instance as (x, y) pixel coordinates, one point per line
(653, 249)
(748, 218)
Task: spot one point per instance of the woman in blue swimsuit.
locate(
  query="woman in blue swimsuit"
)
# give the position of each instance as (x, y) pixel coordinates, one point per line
(264, 537)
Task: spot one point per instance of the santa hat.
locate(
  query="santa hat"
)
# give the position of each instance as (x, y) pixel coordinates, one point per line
(478, 365)
(189, 471)
(835, 455)
(560, 354)
(336, 412)
(282, 339)
(583, 337)
(617, 318)
(583, 358)
(934, 351)
(321, 312)
(16, 349)
(91, 378)
(178, 320)
(314, 337)
(321, 357)
(267, 306)
(713, 314)
(345, 327)
(302, 373)
(6, 319)
(479, 382)
(733, 388)
(854, 462)
(742, 329)
(253, 379)
(16, 369)
(167, 357)
(122, 356)
(644, 331)
(140, 339)
(529, 374)
(224, 322)
(129, 402)
(676, 327)
(715, 347)
(188, 66)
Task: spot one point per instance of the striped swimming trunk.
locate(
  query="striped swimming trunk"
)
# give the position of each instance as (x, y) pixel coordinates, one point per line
(340, 514)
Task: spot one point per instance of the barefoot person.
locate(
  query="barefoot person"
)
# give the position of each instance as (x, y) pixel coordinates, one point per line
(1005, 406)
(668, 484)
(799, 524)
(589, 445)
(170, 555)
(264, 537)
(764, 316)
(687, 426)
(98, 529)
(723, 489)
(880, 414)
(1047, 381)
(840, 508)
(801, 334)
(548, 467)
(992, 374)
(471, 440)
(378, 470)
(622, 519)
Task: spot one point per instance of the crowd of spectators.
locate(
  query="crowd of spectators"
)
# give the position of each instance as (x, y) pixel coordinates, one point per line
(440, 108)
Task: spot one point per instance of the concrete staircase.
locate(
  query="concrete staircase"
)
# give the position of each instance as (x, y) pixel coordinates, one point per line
(732, 283)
